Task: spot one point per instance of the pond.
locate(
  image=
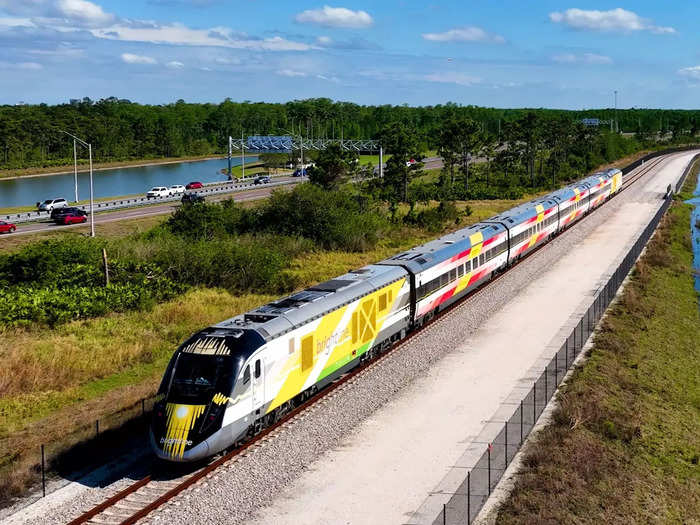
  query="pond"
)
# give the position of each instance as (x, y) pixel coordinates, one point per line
(26, 191)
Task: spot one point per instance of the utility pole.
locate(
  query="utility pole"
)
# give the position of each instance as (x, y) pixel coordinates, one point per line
(242, 156)
(92, 197)
(75, 167)
(92, 193)
(230, 144)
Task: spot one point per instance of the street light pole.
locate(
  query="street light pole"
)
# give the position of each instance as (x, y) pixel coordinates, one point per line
(230, 175)
(242, 156)
(92, 195)
(75, 167)
(92, 201)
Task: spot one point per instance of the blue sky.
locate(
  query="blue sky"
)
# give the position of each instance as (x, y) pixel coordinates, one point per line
(507, 53)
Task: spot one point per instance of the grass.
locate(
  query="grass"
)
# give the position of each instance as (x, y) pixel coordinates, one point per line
(624, 445)
(115, 229)
(251, 168)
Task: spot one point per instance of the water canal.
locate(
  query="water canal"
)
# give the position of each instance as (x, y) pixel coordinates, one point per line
(695, 233)
(26, 191)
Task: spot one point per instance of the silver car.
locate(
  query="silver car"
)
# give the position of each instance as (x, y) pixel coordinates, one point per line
(52, 204)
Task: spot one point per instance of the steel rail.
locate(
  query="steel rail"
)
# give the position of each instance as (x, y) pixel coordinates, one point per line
(333, 387)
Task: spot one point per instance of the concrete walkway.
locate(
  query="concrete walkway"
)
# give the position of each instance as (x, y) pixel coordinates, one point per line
(384, 471)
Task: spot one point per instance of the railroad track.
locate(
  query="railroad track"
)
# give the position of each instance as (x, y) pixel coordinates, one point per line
(151, 492)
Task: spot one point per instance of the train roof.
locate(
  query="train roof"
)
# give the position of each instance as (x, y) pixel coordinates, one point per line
(438, 250)
(523, 212)
(597, 177)
(567, 192)
(285, 314)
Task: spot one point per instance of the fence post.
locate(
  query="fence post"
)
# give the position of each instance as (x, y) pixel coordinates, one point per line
(43, 472)
(566, 355)
(556, 369)
(489, 452)
(444, 513)
(469, 495)
(546, 391)
(521, 422)
(505, 465)
(534, 404)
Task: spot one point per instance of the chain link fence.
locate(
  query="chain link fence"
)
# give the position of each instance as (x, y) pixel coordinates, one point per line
(464, 504)
(26, 460)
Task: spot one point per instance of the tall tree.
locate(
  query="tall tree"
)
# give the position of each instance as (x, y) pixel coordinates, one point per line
(332, 167)
(401, 142)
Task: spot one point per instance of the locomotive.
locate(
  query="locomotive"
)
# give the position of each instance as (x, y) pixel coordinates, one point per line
(230, 380)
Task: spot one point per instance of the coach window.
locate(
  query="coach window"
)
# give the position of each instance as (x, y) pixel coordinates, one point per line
(246, 375)
(257, 368)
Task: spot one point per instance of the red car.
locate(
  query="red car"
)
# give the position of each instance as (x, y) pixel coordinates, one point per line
(73, 218)
(194, 185)
(7, 227)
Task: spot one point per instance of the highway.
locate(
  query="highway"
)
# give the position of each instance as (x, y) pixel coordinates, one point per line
(429, 163)
(138, 213)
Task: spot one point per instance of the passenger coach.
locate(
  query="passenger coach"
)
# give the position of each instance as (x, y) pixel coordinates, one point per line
(230, 380)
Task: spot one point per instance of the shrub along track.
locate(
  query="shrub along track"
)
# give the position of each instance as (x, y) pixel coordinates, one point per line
(142, 497)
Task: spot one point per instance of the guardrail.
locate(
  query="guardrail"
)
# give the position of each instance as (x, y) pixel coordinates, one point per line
(209, 189)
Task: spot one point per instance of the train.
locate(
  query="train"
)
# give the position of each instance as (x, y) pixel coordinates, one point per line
(229, 381)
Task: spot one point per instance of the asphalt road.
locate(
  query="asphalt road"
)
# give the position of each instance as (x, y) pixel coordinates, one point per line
(162, 209)
(137, 213)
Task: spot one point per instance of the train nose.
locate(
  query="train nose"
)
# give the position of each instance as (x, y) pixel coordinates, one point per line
(197, 452)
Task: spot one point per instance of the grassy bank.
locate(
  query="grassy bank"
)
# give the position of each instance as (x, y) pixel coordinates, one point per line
(624, 445)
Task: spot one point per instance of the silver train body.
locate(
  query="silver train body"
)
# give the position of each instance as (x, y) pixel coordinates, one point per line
(230, 380)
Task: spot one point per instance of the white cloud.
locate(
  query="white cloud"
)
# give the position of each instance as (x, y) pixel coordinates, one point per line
(461, 79)
(291, 73)
(28, 66)
(82, 11)
(228, 61)
(690, 72)
(22, 7)
(613, 20)
(464, 34)
(334, 79)
(137, 59)
(16, 22)
(175, 65)
(324, 41)
(335, 17)
(585, 58)
(182, 35)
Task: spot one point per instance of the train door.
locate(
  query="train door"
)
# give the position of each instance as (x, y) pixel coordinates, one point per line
(258, 382)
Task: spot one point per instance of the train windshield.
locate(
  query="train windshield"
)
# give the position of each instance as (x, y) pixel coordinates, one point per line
(206, 365)
(198, 377)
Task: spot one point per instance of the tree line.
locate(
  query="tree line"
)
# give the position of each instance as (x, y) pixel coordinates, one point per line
(532, 153)
(120, 130)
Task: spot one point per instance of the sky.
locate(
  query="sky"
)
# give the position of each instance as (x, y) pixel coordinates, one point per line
(505, 53)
